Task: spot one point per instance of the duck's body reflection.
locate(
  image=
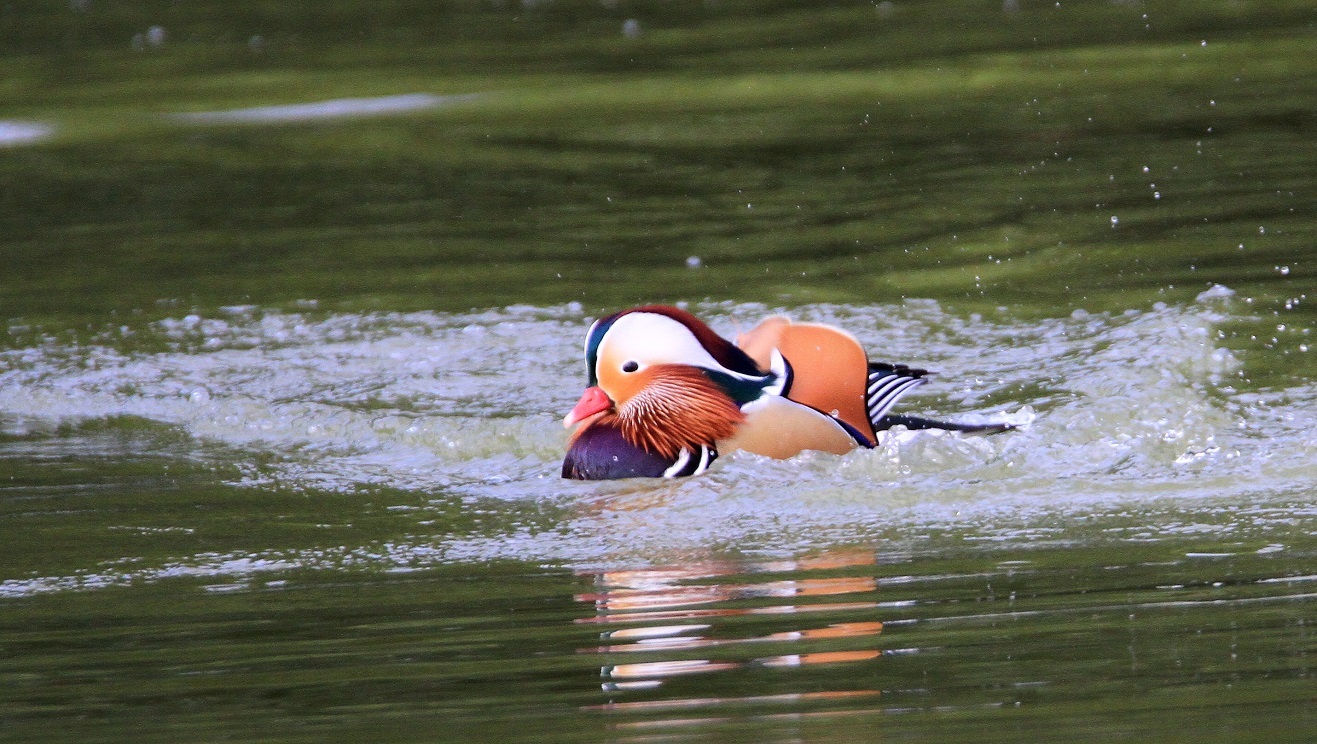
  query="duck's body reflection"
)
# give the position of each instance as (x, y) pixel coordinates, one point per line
(688, 622)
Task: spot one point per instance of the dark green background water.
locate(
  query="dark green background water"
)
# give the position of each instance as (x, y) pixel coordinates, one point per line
(275, 466)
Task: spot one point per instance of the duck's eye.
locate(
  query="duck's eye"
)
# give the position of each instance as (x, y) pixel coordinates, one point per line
(630, 367)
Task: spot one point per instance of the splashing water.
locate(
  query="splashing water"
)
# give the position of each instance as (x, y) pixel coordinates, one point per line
(1117, 409)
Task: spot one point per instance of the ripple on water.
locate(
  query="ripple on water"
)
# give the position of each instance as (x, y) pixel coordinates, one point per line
(23, 132)
(339, 108)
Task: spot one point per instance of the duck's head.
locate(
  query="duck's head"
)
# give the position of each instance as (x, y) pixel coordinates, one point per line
(669, 380)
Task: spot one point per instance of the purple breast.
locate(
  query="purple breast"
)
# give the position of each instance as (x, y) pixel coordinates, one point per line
(601, 453)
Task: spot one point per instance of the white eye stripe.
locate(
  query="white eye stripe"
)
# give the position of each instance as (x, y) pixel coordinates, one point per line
(649, 338)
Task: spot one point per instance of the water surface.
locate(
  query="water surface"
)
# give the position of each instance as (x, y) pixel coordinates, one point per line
(280, 399)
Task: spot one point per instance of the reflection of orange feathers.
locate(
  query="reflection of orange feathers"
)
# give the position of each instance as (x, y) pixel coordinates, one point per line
(830, 369)
(836, 559)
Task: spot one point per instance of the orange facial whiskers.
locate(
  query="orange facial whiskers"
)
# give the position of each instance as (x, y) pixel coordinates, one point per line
(678, 407)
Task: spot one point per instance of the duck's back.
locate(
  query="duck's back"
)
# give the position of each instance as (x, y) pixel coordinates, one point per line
(829, 367)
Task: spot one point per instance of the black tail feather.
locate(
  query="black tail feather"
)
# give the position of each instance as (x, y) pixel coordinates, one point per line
(918, 422)
(889, 382)
(886, 384)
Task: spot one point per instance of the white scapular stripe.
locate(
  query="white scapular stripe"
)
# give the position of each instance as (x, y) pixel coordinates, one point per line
(885, 391)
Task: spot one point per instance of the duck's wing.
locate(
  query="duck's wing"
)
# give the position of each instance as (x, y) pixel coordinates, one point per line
(829, 369)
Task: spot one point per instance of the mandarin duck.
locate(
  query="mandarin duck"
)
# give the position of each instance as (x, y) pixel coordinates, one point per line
(667, 395)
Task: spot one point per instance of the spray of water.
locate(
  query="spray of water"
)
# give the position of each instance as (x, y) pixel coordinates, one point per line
(1115, 409)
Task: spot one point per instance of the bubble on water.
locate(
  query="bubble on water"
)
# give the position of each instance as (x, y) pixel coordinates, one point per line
(694, 262)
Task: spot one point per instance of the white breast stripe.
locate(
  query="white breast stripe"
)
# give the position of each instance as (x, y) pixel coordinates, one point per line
(777, 364)
(682, 458)
(705, 453)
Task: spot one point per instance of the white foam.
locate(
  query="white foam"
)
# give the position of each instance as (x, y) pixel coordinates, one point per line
(1123, 409)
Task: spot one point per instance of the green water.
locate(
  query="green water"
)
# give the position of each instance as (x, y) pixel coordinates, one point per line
(279, 401)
